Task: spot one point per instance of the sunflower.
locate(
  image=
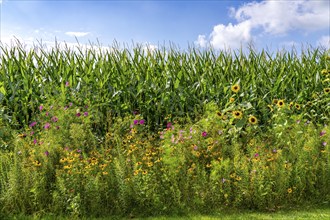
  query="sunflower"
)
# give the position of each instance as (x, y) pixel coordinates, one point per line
(253, 120)
(237, 114)
(235, 88)
(280, 103)
(231, 100)
(290, 105)
(219, 114)
(297, 106)
(289, 190)
(327, 90)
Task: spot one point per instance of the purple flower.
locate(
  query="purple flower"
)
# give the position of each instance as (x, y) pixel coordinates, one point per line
(79, 151)
(322, 133)
(66, 107)
(204, 133)
(78, 114)
(47, 113)
(67, 84)
(41, 107)
(169, 125)
(195, 147)
(136, 122)
(33, 124)
(35, 141)
(46, 153)
(324, 143)
(31, 133)
(54, 119)
(142, 121)
(86, 114)
(274, 150)
(86, 106)
(47, 126)
(70, 104)
(256, 155)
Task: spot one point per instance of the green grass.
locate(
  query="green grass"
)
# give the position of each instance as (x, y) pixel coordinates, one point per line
(315, 213)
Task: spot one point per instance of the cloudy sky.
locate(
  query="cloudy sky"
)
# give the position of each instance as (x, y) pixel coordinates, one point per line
(271, 24)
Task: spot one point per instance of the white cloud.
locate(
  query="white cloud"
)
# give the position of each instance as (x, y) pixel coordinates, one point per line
(147, 47)
(279, 17)
(230, 36)
(201, 41)
(324, 41)
(272, 18)
(76, 34)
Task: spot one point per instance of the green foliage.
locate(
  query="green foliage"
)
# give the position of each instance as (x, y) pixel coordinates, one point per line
(161, 133)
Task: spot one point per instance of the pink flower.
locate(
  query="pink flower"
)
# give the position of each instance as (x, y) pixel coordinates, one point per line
(47, 126)
(142, 121)
(35, 141)
(204, 133)
(54, 119)
(136, 122)
(78, 114)
(67, 84)
(86, 113)
(32, 124)
(41, 107)
(322, 133)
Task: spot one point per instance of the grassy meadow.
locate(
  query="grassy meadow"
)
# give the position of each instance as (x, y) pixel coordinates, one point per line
(87, 132)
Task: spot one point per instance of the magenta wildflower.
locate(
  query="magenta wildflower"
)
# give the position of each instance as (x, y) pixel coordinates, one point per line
(66, 107)
(195, 147)
(86, 114)
(35, 141)
(33, 124)
(54, 119)
(78, 114)
(47, 126)
(324, 143)
(70, 104)
(322, 133)
(169, 125)
(47, 113)
(142, 121)
(78, 150)
(46, 153)
(136, 122)
(67, 84)
(204, 133)
(256, 155)
(41, 107)
(31, 133)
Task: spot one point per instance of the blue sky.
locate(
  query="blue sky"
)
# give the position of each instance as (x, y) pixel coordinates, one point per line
(218, 24)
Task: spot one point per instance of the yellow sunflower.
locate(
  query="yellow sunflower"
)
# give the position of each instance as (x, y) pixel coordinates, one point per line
(235, 88)
(327, 90)
(237, 114)
(253, 120)
(280, 103)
